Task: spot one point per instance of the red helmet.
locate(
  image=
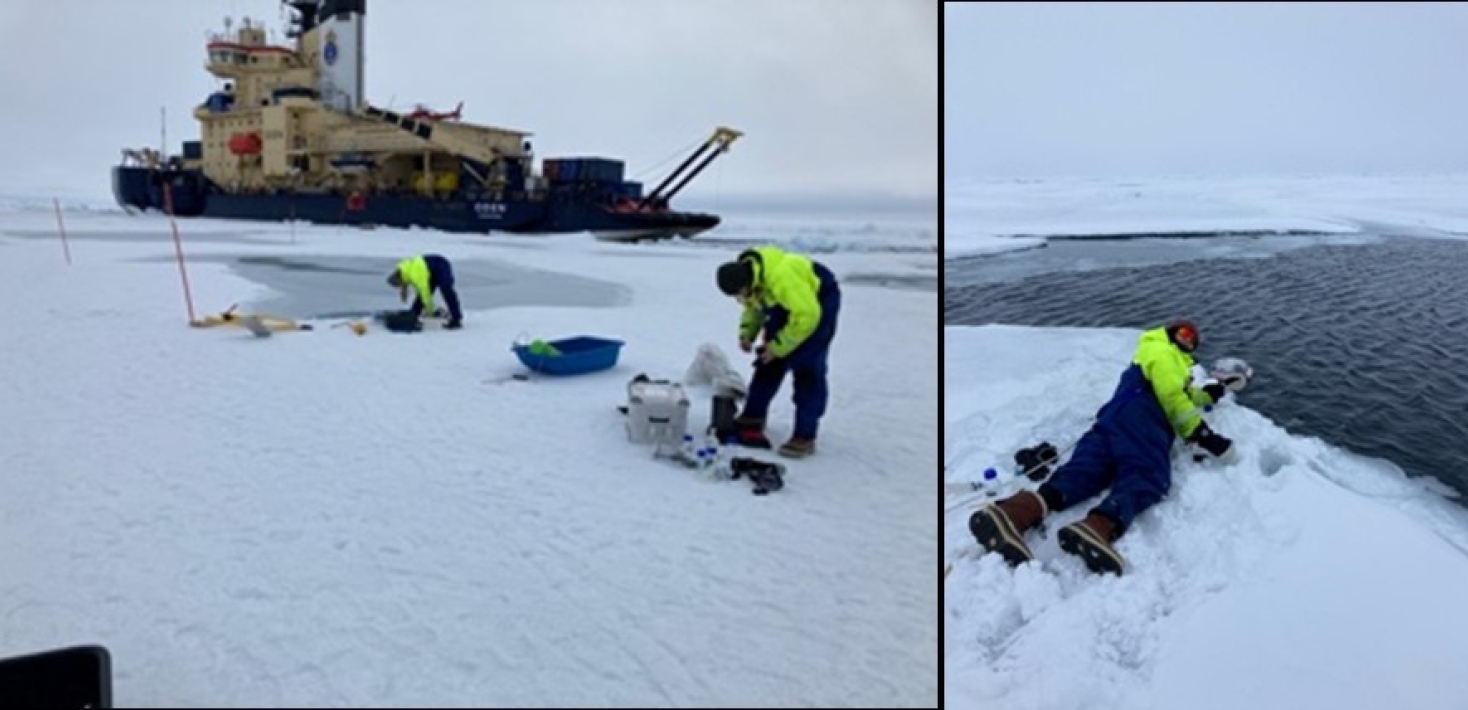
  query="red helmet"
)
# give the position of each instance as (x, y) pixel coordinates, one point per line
(1183, 333)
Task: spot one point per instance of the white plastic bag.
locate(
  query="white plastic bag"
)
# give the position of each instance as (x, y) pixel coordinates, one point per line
(711, 367)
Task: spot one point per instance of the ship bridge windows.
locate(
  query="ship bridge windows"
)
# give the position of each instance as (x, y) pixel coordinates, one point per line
(289, 91)
(226, 55)
(244, 53)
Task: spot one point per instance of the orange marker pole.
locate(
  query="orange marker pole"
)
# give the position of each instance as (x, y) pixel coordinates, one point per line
(178, 249)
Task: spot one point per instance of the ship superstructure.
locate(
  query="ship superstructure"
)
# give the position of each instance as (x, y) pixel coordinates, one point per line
(290, 135)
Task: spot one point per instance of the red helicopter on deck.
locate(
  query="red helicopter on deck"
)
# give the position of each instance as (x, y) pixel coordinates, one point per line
(423, 113)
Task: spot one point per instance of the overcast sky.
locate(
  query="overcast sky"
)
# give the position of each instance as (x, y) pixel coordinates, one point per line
(1154, 88)
(836, 97)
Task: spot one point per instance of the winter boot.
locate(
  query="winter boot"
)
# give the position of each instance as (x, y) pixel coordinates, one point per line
(748, 432)
(744, 422)
(1091, 539)
(1001, 527)
(798, 448)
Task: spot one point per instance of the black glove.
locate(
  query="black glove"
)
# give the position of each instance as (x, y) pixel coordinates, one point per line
(1207, 440)
(1214, 390)
(1036, 461)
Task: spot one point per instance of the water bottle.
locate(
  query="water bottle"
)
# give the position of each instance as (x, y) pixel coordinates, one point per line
(990, 480)
(717, 469)
(688, 451)
(711, 443)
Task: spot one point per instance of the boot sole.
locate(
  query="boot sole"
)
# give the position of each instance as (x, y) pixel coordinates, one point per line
(1081, 541)
(993, 530)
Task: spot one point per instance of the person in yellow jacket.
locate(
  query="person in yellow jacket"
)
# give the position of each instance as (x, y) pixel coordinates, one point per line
(1127, 449)
(794, 302)
(424, 275)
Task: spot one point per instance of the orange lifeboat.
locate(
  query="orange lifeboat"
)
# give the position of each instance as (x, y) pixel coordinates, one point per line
(245, 144)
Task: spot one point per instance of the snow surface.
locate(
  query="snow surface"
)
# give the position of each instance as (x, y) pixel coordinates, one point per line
(1300, 576)
(319, 518)
(846, 232)
(987, 216)
(957, 244)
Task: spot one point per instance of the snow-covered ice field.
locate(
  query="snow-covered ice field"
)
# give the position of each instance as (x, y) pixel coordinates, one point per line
(986, 216)
(1298, 577)
(319, 518)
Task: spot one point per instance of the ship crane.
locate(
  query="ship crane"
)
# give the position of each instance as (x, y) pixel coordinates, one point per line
(719, 141)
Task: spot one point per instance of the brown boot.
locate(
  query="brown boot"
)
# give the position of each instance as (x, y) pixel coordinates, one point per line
(1001, 527)
(798, 448)
(1091, 539)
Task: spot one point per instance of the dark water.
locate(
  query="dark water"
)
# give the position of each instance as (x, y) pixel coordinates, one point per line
(351, 286)
(916, 282)
(1365, 346)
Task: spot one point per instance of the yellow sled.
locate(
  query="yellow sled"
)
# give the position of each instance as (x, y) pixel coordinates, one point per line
(261, 325)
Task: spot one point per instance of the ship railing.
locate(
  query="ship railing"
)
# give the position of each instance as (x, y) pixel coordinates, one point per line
(140, 158)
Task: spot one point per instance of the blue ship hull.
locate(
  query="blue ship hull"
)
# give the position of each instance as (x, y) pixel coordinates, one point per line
(142, 188)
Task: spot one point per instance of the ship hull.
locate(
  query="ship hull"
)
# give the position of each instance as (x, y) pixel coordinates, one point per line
(142, 189)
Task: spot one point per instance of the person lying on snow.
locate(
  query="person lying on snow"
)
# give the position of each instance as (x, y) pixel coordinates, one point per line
(794, 302)
(1128, 448)
(425, 274)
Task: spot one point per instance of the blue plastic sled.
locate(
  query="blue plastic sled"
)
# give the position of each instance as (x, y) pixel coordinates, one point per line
(579, 356)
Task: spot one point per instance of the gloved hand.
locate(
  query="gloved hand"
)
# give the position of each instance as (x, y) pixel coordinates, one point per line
(1214, 389)
(746, 344)
(763, 356)
(1234, 382)
(1211, 442)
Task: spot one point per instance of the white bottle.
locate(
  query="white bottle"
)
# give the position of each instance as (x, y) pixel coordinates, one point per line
(689, 454)
(714, 467)
(711, 444)
(994, 482)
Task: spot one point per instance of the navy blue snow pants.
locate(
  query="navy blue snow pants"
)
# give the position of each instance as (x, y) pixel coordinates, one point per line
(807, 363)
(441, 279)
(1128, 449)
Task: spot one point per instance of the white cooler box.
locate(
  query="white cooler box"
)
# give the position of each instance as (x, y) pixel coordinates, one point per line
(657, 413)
